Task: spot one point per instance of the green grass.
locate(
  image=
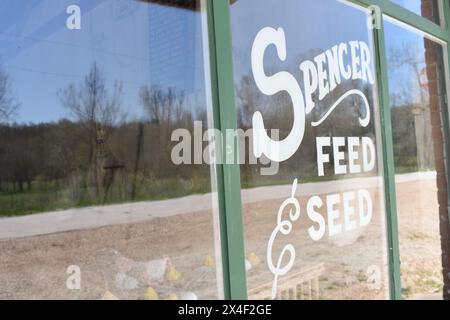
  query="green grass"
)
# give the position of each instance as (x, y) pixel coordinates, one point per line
(51, 198)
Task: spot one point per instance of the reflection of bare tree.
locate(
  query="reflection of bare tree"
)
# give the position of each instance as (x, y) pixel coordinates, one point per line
(162, 106)
(93, 107)
(408, 57)
(411, 93)
(8, 105)
(91, 104)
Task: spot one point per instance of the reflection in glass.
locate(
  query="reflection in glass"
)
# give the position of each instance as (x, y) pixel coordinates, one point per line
(425, 8)
(335, 257)
(88, 102)
(416, 87)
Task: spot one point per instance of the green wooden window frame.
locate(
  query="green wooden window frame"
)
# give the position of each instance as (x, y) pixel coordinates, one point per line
(225, 115)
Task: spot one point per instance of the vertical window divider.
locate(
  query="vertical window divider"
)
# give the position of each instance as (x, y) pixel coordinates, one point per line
(389, 165)
(228, 175)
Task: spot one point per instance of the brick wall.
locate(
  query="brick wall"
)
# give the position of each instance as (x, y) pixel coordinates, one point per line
(433, 54)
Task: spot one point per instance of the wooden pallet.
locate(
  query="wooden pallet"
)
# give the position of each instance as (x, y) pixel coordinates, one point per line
(302, 285)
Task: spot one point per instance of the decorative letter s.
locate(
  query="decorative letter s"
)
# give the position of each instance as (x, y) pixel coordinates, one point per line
(269, 85)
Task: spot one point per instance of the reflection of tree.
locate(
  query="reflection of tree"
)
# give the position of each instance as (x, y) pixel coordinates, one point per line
(411, 112)
(162, 106)
(93, 107)
(408, 57)
(90, 102)
(8, 105)
(165, 111)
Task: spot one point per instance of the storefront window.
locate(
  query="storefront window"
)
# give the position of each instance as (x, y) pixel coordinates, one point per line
(425, 8)
(111, 130)
(417, 90)
(313, 205)
(92, 204)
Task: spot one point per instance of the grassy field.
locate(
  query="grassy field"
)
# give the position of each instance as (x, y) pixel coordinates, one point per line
(52, 198)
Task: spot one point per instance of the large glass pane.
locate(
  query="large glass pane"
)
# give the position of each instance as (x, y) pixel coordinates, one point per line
(425, 8)
(314, 214)
(91, 204)
(417, 90)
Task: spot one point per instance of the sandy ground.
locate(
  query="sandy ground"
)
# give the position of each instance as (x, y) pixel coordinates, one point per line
(36, 267)
(124, 259)
(420, 247)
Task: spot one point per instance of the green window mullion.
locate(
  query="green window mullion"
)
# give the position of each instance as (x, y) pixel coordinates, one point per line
(389, 165)
(228, 175)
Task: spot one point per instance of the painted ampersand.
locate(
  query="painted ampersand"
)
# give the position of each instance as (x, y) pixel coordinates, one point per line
(284, 227)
